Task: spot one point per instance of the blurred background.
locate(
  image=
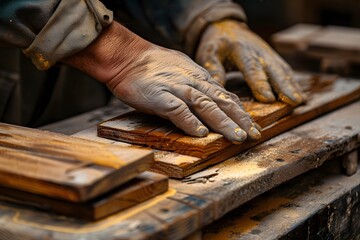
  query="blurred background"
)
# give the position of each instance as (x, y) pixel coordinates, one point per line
(266, 17)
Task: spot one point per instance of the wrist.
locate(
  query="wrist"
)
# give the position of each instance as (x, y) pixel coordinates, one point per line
(109, 54)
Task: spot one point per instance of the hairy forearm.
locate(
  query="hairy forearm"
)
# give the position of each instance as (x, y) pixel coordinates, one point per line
(113, 50)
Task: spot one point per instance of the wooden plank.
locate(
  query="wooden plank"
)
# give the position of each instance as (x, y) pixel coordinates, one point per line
(155, 132)
(342, 91)
(318, 205)
(239, 179)
(325, 94)
(145, 186)
(275, 161)
(65, 167)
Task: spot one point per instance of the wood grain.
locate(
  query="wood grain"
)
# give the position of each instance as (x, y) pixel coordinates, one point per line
(326, 92)
(145, 186)
(152, 131)
(240, 179)
(64, 167)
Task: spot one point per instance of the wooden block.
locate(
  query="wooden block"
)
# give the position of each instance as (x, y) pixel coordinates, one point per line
(65, 167)
(155, 132)
(137, 190)
(152, 131)
(326, 92)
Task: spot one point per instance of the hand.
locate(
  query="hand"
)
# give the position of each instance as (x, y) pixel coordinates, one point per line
(164, 82)
(231, 42)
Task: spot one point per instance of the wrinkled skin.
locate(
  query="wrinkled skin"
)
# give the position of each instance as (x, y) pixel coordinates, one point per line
(164, 82)
(231, 44)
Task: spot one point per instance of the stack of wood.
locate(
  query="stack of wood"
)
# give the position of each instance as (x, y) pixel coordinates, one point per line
(71, 176)
(332, 48)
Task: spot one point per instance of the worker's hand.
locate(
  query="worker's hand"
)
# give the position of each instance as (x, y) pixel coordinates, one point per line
(167, 83)
(230, 43)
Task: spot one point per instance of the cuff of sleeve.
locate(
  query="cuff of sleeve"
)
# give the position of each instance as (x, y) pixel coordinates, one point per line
(218, 12)
(72, 27)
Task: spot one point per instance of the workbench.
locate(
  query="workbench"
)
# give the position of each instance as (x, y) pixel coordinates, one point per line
(318, 202)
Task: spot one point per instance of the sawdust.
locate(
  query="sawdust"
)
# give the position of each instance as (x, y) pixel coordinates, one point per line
(210, 138)
(174, 158)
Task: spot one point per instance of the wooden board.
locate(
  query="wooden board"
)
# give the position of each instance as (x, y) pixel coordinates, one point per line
(317, 205)
(185, 208)
(322, 100)
(143, 187)
(155, 132)
(193, 154)
(64, 167)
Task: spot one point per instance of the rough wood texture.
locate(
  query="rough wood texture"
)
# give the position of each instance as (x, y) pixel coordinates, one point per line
(64, 167)
(145, 186)
(318, 205)
(194, 154)
(187, 207)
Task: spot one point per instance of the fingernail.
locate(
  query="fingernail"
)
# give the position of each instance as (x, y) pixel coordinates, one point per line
(202, 131)
(266, 97)
(298, 98)
(254, 133)
(240, 135)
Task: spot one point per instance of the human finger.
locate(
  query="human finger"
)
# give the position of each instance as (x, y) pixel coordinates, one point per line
(251, 67)
(230, 104)
(210, 113)
(170, 107)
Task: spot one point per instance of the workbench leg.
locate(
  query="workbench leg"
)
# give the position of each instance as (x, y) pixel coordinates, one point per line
(350, 162)
(194, 236)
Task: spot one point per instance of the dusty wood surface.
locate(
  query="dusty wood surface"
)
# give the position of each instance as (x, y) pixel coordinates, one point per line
(65, 167)
(187, 207)
(143, 187)
(325, 94)
(318, 205)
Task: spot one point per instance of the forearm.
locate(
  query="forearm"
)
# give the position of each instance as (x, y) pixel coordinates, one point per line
(114, 49)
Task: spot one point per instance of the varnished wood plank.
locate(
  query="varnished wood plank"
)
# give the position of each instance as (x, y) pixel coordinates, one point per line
(137, 190)
(64, 167)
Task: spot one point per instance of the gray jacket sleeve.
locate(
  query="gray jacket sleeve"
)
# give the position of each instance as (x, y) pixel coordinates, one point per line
(179, 23)
(49, 30)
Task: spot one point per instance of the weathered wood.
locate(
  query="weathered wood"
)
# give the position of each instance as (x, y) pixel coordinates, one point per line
(239, 179)
(325, 94)
(350, 162)
(145, 186)
(65, 167)
(318, 205)
(279, 159)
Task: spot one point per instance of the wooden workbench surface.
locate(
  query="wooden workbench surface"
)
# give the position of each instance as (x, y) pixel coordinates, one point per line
(190, 205)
